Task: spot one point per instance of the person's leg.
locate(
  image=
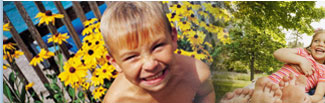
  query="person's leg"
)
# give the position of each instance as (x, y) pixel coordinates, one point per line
(293, 89)
(240, 95)
(266, 92)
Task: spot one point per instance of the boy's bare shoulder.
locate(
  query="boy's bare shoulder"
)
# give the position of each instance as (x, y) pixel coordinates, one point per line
(117, 91)
(203, 70)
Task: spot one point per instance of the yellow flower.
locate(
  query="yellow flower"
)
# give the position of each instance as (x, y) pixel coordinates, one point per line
(165, 2)
(178, 9)
(99, 92)
(106, 71)
(183, 52)
(224, 38)
(97, 79)
(46, 54)
(30, 85)
(17, 54)
(90, 22)
(196, 39)
(6, 27)
(37, 59)
(58, 38)
(9, 46)
(85, 85)
(47, 17)
(198, 55)
(184, 25)
(91, 55)
(204, 13)
(6, 66)
(173, 17)
(74, 71)
(208, 44)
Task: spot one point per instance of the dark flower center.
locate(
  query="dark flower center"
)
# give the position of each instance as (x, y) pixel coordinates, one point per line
(192, 2)
(199, 51)
(208, 24)
(90, 52)
(173, 15)
(97, 76)
(193, 55)
(184, 22)
(48, 13)
(37, 56)
(87, 41)
(72, 70)
(196, 36)
(225, 36)
(214, 5)
(104, 71)
(89, 44)
(179, 6)
(179, 52)
(56, 35)
(97, 42)
(192, 15)
(83, 61)
(114, 72)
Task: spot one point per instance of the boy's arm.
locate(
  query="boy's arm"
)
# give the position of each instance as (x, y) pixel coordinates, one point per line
(290, 55)
(319, 93)
(205, 93)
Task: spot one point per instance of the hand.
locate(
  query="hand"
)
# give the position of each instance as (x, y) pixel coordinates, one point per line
(306, 67)
(307, 99)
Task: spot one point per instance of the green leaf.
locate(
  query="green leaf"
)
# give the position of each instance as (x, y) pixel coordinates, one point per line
(55, 87)
(57, 97)
(23, 94)
(60, 61)
(12, 79)
(7, 92)
(38, 101)
(71, 92)
(80, 95)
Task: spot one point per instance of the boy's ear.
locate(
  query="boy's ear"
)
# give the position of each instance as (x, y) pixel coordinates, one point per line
(174, 38)
(113, 62)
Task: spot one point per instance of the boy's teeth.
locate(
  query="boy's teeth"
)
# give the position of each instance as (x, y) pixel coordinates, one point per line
(154, 77)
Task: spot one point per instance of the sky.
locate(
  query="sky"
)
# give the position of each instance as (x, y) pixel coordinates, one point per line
(321, 24)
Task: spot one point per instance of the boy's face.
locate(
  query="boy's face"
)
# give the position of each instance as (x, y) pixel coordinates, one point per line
(148, 66)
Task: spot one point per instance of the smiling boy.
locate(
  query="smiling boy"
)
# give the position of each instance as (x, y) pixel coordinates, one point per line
(141, 44)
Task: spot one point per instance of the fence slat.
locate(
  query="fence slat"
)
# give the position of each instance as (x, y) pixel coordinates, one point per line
(67, 22)
(79, 11)
(24, 48)
(35, 34)
(94, 7)
(64, 49)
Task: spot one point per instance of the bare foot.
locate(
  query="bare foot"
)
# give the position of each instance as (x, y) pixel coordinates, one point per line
(240, 95)
(266, 92)
(293, 89)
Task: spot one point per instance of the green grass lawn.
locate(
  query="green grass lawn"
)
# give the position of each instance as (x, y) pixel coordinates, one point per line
(228, 81)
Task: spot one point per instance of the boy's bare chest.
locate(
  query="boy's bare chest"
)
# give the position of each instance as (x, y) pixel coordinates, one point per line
(183, 93)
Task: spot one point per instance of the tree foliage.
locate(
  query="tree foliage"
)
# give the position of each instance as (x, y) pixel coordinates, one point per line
(257, 31)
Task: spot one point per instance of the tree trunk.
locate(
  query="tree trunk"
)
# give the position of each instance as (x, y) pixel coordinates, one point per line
(252, 66)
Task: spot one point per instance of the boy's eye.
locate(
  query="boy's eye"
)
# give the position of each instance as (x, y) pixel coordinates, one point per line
(315, 40)
(158, 45)
(130, 57)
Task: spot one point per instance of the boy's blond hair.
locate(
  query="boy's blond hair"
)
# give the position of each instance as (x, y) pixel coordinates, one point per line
(130, 24)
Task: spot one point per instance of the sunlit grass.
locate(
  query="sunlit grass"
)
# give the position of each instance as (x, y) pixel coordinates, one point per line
(228, 81)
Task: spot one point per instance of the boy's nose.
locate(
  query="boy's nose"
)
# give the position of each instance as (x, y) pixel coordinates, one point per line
(150, 64)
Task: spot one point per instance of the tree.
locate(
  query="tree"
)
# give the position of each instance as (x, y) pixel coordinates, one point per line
(257, 30)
